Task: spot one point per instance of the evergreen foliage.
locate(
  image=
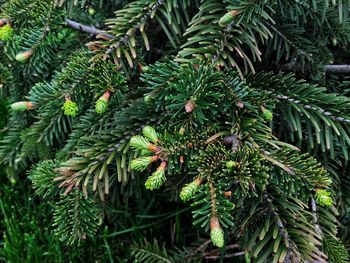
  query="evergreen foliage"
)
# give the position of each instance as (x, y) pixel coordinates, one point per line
(224, 108)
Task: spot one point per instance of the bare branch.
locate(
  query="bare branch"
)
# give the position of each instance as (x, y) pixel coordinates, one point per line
(314, 216)
(340, 69)
(88, 29)
(335, 69)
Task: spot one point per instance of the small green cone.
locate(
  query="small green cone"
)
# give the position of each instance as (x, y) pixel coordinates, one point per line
(150, 133)
(216, 232)
(22, 106)
(6, 33)
(323, 197)
(148, 98)
(267, 115)
(141, 163)
(143, 68)
(182, 131)
(70, 108)
(334, 42)
(231, 164)
(24, 56)
(141, 143)
(190, 189)
(145, 152)
(91, 11)
(101, 104)
(228, 18)
(157, 179)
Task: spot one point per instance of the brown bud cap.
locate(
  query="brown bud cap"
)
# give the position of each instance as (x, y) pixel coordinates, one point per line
(65, 171)
(163, 165)
(216, 232)
(3, 21)
(24, 56)
(181, 159)
(240, 104)
(189, 106)
(228, 194)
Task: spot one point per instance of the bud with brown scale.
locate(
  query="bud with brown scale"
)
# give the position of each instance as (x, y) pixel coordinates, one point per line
(101, 104)
(216, 232)
(24, 56)
(189, 190)
(65, 171)
(189, 106)
(228, 18)
(181, 159)
(22, 106)
(228, 194)
(157, 178)
(182, 131)
(3, 21)
(143, 68)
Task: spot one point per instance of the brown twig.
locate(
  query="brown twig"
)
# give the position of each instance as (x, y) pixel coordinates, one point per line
(226, 256)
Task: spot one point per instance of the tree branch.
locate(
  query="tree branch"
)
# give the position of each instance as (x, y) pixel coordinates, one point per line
(314, 216)
(335, 69)
(340, 69)
(88, 29)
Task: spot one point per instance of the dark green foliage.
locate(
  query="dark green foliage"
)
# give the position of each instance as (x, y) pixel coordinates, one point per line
(75, 217)
(208, 122)
(42, 176)
(148, 252)
(336, 250)
(151, 252)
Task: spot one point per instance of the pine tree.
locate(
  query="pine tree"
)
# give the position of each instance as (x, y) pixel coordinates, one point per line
(235, 110)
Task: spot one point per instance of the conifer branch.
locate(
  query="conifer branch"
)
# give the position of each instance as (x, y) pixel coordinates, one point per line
(338, 69)
(314, 216)
(88, 29)
(330, 69)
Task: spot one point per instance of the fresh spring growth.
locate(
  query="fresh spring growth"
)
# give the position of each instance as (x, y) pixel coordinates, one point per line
(231, 164)
(267, 115)
(151, 134)
(143, 68)
(334, 42)
(157, 178)
(101, 104)
(190, 189)
(6, 33)
(141, 163)
(91, 11)
(22, 106)
(24, 56)
(216, 232)
(182, 131)
(228, 18)
(148, 98)
(70, 108)
(323, 197)
(141, 143)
